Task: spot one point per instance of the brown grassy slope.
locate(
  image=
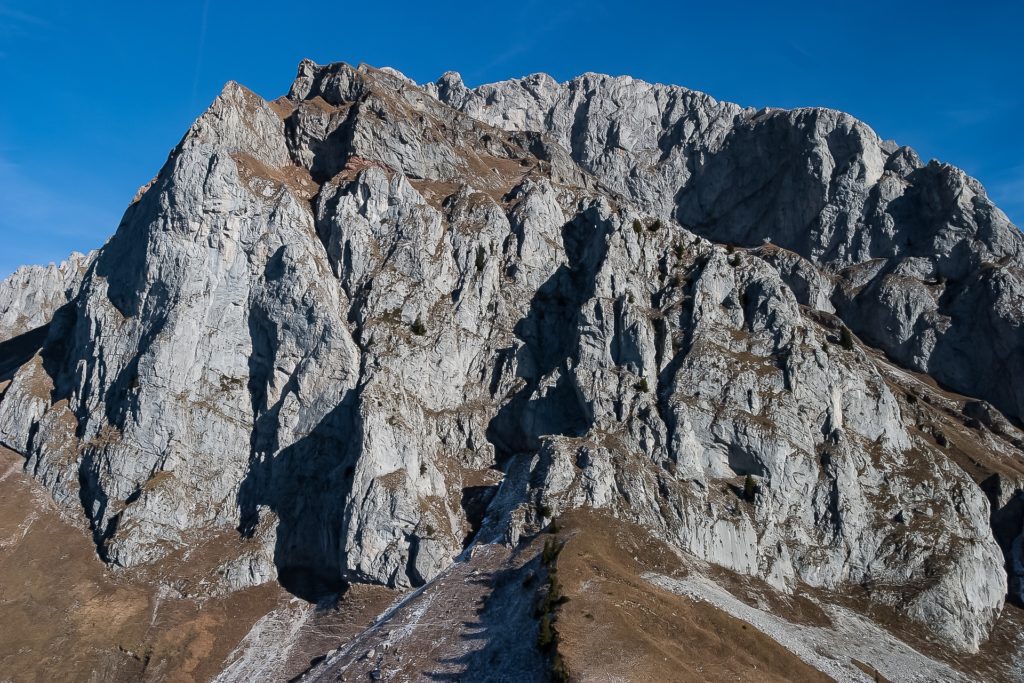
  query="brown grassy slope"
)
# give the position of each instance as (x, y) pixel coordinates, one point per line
(616, 626)
(65, 616)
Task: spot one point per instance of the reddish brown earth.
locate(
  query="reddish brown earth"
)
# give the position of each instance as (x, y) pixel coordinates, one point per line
(65, 616)
(618, 627)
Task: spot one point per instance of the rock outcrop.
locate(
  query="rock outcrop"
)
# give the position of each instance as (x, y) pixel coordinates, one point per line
(915, 250)
(368, 324)
(30, 297)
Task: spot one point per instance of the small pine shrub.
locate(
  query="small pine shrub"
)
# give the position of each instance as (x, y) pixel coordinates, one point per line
(559, 671)
(418, 328)
(546, 634)
(749, 488)
(656, 226)
(555, 596)
(729, 249)
(430, 530)
(638, 227)
(641, 386)
(678, 249)
(845, 338)
(550, 553)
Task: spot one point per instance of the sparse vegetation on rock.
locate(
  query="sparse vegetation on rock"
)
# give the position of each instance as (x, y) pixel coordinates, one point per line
(749, 488)
(552, 598)
(846, 338)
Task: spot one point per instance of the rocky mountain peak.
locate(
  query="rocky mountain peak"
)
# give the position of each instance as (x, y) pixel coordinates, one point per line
(369, 328)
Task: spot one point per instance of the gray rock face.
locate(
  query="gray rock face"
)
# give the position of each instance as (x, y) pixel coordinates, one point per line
(32, 294)
(918, 248)
(369, 323)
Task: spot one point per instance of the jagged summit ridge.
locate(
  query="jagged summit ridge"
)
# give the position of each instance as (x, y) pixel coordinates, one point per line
(813, 181)
(32, 294)
(368, 323)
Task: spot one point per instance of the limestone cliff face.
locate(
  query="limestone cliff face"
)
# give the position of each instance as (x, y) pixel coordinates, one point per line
(912, 250)
(369, 323)
(32, 294)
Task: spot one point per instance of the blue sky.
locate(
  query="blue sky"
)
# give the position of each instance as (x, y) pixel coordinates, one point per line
(94, 95)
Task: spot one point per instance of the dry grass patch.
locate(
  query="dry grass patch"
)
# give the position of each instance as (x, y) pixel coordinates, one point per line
(617, 626)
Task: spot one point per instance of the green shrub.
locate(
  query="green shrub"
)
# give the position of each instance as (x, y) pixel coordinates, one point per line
(546, 633)
(749, 488)
(559, 671)
(845, 338)
(551, 550)
(637, 226)
(418, 328)
(641, 386)
(226, 383)
(655, 226)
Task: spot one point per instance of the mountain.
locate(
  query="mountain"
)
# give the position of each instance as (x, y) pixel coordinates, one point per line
(713, 375)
